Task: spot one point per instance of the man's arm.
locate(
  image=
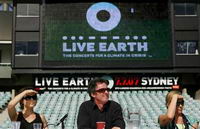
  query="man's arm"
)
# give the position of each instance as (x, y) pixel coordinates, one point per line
(83, 121)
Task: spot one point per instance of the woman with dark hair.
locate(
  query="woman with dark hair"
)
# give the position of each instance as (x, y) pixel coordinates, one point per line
(27, 97)
(174, 117)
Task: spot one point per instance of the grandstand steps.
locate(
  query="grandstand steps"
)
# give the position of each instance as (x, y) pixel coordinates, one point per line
(3, 116)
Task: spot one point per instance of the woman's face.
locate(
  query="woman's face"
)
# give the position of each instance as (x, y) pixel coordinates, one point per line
(179, 106)
(30, 101)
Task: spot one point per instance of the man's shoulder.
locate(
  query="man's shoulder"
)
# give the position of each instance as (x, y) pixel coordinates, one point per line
(87, 103)
(113, 103)
(90, 104)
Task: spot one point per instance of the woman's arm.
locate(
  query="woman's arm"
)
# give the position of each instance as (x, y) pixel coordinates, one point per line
(195, 125)
(169, 116)
(44, 121)
(11, 105)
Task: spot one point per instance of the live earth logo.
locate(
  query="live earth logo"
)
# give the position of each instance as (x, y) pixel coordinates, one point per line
(111, 23)
(104, 46)
(114, 81)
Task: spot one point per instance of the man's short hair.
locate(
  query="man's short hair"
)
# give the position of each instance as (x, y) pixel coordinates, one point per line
(93, 83)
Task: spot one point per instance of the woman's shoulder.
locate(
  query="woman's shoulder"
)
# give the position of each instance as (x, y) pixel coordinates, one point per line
(168, 126)
(41, 115)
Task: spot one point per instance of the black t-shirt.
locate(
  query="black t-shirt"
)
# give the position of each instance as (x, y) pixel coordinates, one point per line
(25, 124)
(89, 114)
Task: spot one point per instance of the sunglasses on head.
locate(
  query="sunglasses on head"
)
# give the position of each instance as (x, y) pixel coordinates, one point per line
(34, 97)
(103, 90)
(180, 102)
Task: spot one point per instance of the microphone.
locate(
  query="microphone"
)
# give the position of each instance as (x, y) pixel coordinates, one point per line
(62, 119)
(129, 114)
(48, 125)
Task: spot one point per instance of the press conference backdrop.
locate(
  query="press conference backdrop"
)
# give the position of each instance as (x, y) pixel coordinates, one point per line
(105, 34)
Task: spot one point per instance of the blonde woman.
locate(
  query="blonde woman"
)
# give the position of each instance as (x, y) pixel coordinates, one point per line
(174, 117)
(27, 98)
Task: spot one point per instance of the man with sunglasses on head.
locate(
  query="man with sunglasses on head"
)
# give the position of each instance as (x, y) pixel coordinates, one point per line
(27, 98)
(100, 109)
(174, 117)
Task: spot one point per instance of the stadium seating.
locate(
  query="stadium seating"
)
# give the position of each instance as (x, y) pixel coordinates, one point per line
(4, 99)
(147, 105)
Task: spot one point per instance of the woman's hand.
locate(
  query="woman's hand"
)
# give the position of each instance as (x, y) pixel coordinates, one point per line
(180, 97)
(30, 92)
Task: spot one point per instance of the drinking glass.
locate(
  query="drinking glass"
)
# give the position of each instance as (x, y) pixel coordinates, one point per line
(101, 125)
(16, 124)
(132, 117)
(37, 125)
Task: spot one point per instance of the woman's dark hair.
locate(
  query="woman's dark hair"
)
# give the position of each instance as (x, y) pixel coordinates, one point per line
(93, 83)
(19, 92)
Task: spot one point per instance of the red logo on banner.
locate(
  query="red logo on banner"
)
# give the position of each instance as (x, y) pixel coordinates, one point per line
(127, 81)
(176, 87)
